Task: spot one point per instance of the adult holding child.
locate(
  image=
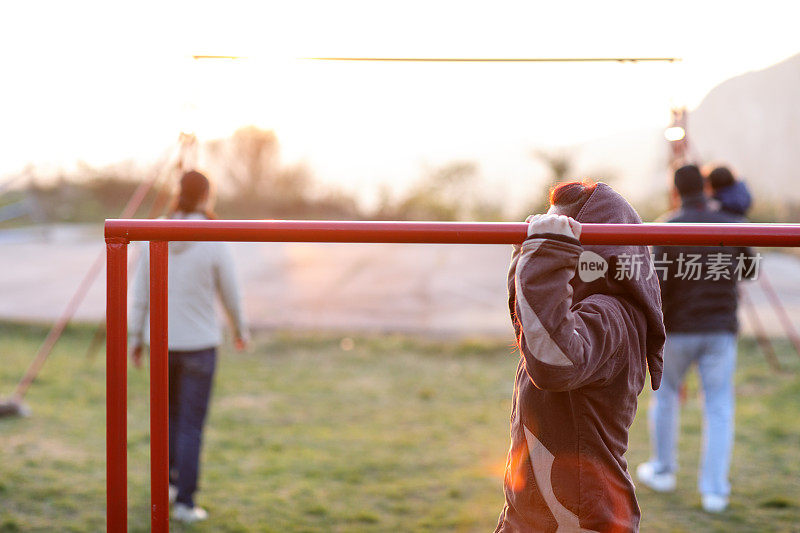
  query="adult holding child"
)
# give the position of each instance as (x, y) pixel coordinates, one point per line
(699, 302)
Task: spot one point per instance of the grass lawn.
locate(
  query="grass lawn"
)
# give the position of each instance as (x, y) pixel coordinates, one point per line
(309, 433)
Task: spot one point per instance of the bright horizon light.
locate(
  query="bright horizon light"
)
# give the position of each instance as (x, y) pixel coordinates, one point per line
(674, 133)
(93, 89)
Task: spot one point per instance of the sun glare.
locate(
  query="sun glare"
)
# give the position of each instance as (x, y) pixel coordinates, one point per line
(675, 133)
(127, 98)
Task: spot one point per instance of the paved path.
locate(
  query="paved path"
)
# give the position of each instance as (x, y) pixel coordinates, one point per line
(431, 289)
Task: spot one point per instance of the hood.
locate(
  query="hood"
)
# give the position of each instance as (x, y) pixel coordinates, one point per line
(178, 247)
(734, 198)
(606, 206)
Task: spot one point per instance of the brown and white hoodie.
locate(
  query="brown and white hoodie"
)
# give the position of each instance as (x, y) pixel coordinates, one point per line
(585, 347)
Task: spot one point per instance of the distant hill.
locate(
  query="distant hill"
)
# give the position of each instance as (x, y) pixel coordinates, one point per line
(752, 122)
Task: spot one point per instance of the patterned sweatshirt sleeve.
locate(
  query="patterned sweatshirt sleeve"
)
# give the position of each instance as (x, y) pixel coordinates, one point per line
(228, 288)
(565, 346)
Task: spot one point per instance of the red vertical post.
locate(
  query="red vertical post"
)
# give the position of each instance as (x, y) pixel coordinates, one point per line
(117, 385)
(159, 389)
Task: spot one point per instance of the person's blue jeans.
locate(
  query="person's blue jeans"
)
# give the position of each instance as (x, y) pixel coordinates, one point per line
(715, 355)
(190, 377)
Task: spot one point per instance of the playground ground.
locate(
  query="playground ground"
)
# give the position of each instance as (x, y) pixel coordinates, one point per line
(365, 433)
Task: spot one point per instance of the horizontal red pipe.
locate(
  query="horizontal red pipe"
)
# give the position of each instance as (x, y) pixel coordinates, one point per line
(445, 232)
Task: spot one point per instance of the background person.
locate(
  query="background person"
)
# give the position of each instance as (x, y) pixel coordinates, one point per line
(584, 351)
(699, 301)
(198, 273)
(731, 194)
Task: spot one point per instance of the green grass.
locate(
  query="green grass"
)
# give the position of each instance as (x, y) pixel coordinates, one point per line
(394, 434)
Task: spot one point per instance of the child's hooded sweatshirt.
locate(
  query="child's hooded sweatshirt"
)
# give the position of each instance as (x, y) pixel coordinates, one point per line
(585, 347)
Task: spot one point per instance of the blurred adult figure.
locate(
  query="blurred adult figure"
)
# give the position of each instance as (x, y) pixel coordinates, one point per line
(198, 273)
(699, 301)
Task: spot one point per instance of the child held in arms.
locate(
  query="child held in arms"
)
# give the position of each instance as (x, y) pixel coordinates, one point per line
(586, 338)
(731, 194)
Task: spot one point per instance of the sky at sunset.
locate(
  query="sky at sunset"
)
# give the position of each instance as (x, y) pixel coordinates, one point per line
(98, 82)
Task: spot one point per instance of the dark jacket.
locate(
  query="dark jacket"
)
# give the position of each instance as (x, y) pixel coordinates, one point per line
(735, 198)
(584, 350)
(696, 295)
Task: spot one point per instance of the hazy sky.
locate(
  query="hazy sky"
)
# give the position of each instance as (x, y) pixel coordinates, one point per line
(101, 82)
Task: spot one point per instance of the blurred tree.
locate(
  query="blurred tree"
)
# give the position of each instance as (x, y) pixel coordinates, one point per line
(250, 160)
(292, 185)
(484, 209)
(443, 194)
(249, 166)
(559, 163)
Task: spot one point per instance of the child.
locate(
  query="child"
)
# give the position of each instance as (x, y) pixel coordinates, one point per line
(732, 195)
(585, 346)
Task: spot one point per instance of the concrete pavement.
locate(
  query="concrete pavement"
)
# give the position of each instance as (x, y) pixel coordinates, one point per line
(429, 289)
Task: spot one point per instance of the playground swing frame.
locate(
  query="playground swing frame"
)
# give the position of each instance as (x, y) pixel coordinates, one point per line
(120, 232)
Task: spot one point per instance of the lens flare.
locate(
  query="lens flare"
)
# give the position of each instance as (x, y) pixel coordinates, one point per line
(675, 133)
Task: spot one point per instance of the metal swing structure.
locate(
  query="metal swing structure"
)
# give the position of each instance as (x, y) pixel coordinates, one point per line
(176, 161)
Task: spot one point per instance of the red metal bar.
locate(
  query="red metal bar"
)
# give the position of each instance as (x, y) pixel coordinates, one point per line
(117, 385)
(447, 232)
(159, 389)
(119, 232)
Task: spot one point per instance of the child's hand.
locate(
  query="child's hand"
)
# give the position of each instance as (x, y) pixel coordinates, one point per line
(558, 224)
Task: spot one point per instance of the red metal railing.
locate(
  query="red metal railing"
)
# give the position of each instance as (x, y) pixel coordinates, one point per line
(445, 232)
(159, 387)
(119, 233)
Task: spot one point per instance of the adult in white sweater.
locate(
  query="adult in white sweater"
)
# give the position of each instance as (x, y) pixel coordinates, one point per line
(198, 273)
